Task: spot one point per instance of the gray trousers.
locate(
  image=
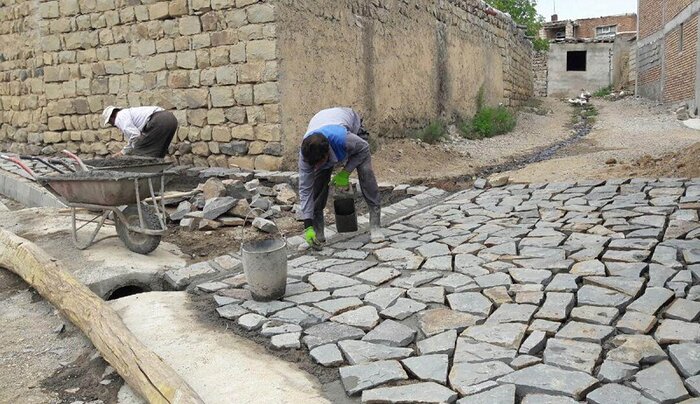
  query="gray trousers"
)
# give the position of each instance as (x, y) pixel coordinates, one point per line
(368, 184)
(157, 135)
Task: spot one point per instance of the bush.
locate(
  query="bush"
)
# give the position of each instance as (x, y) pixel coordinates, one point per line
(540, 44)
(490, 122)
(603, 92)
(433, 133)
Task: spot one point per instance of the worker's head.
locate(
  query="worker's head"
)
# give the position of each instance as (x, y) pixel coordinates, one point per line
(315, 149)
(109, 114)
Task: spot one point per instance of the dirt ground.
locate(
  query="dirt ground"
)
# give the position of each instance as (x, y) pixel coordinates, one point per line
(631, 137)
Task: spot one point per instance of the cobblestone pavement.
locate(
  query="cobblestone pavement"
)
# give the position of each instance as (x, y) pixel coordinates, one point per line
(527, 293)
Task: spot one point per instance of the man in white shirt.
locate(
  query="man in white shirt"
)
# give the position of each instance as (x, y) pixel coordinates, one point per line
(147, 131)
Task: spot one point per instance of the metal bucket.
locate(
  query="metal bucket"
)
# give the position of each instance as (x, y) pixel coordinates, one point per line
(265, 267)
(345, 214)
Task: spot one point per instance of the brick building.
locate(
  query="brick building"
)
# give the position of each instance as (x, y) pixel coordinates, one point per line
(667, 51)
(589, 28)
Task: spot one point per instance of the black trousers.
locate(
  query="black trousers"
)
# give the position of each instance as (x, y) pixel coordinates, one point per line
(156, 135)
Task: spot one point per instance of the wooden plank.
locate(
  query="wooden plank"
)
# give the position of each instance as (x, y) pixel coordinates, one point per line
(143, 370)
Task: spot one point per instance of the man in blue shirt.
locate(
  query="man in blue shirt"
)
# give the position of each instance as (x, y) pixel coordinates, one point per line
(332, 140)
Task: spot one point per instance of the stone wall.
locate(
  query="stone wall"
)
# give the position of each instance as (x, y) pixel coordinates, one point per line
(243, 77)
(621, 76)
(540, 72)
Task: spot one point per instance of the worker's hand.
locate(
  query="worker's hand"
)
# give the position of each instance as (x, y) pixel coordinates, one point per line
(310, 237)
(341, 180)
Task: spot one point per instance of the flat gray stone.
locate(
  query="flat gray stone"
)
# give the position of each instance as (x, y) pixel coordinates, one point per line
(403, 308)
(508, 335)
(635, 350)
(524, 275)
(523, 361)
(428, 294)
(500, 395)
(675, 331)
(433, 250)
(547, 399)
(436, 321)
(392, 254)
(556, 306)
(492, 280)
(216, 207)
(572, 355)
(636, 323)
(430, 368)
(659, 275)
(251, 321)
(499, 295)
(327, 355)
(512, 313)
(340, 305)
(358, 352)
(686, 357)
(633, 244)
(231, 311)
(651, 301)
(384, 297)
(420, 393)
(667, 256)
(357, 378)
(276, 327)
(597, 296)
(364, 318)
(470, 302)
(588, 268)
(628, 286)
(693, 384)
(330, 332)
(626, 255)
(616, 393)
(550, 380)
(614, 372)
(563, 283)
(595, 314)
(443, 343)
(329, 281)
(286, 341)
(415, 280)
(683, 309)
(391, 333)
(585, 332)
(534, 343)
(442, 263)
(626, 269)
(464, 375)
(354, 291)
(378, 275)
(295, 315)
(351, 268)
(661, 383)
(266, 308)
(471, 351)
(455, 283)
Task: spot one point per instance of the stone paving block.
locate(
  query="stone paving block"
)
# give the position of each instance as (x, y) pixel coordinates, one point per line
(588, 268)
(442, 263)
(686, 357)
(329, 332)
(549, 327)
(425, 393)
(683, 309)
(224, 300)
(666, 256)
(251, 321)
(585, 332)
(358, 352)
(433, 250)
(614, 372)
(402, 309)
(534, 343)
(472, 351)
(384, 297)
(378, 275)
(616, 393)
(563, 283)
(391, 333)
(628, 286)
(436, 321)
(572, 355)
(508, 335)
(364, 318)
(295, 315)
(276, 327)
(455, 283)
(651, 301)
(626, 269)
(597, 296)
(358, 291)
(352, 268)
(428, 294)
(327, 355)
(463, 375)
(512, 313)
(286, 341)
(498, 295)
(180, 278)
(443, 343)
(661, 383)
(556, 306)
(636, 323)
(626, 255)
(492, 280)
(693, 385)
(524, 275)
(470, 302)
(675, 331)
(550, 380)
(428, 367)
(659, 275)
(499, 395)
(357, 378)
(523, 361)
(415, 280)
(231, 311)
(393, 254)
(547, 399)
(635, 350)
(329, 281)
(309, 297)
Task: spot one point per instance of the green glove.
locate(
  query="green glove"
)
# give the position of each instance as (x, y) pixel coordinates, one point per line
(310, 236)
(342, 179)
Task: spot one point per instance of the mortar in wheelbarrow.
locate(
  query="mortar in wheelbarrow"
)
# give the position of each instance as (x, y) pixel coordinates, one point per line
(265, 267)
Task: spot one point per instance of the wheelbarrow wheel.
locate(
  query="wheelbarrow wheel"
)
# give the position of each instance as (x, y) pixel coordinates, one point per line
(138, 242)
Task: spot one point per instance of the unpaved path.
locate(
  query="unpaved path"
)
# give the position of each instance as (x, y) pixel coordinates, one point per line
(625, 131)
(399, 161)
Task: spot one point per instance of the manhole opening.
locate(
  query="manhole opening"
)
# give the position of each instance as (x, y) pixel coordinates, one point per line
(127, 290)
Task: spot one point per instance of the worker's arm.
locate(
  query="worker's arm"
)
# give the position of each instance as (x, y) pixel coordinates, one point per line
(131, 135)
(358, 151)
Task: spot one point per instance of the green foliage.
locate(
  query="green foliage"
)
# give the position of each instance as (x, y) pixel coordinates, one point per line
(433, 133)
(523, 13)
(480, 98)
(602, 92)
(489, 122)
(540, 44)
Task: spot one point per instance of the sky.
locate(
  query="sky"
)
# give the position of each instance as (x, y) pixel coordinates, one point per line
(575, 9)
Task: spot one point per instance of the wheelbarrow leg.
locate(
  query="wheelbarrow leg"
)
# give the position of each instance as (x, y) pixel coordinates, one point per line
(83, 245)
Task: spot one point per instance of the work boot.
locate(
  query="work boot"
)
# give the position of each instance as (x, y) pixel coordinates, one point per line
(319, 225)
(375, 225)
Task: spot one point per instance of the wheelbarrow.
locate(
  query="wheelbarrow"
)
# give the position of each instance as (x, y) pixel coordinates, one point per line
(139, 225)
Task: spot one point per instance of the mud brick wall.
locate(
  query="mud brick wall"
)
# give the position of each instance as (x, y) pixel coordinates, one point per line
(587, 26)
(244, 76)
(540, 72)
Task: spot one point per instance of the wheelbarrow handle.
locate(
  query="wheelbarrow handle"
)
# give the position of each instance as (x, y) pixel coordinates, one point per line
(20, 163)
(77, 160)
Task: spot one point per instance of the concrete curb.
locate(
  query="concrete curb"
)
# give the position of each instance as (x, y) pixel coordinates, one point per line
(26, 191)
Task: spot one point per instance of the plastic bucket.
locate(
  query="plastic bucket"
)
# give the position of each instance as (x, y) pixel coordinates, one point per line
(265, 267)
(345, 215)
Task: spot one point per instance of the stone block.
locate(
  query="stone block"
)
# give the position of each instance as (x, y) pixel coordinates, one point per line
(221, 134)
(190, 25)
(243, 132)
(243, 94)
(158, 11)
(237, 53)
(177, 8)
(222, 96)
(261, 49)
(268, 163)
(268, 133)
(226, 74)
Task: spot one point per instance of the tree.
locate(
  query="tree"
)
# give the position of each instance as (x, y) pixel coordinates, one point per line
(524, 13)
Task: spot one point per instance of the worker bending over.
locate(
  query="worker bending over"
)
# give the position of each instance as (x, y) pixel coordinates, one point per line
(147, 131)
